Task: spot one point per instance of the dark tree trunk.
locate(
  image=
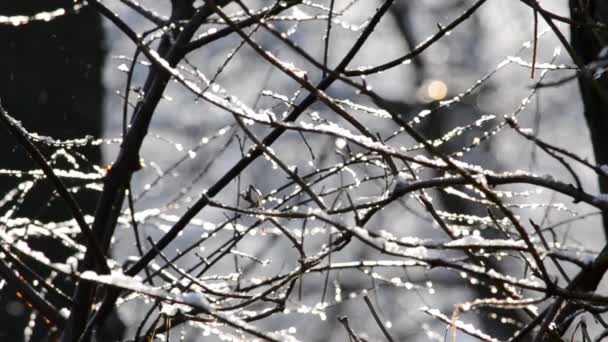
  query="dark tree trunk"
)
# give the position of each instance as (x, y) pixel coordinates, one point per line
(50, 80)
(587, 44)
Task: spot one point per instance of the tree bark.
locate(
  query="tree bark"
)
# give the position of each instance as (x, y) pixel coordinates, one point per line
(588, 43)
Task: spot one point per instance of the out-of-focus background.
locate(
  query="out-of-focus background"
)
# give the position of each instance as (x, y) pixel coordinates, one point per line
(497, 31)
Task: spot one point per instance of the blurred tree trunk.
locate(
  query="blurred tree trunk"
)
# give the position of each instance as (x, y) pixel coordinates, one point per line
(588, 44)
(434, 127)
(439, 124)
(50, 80)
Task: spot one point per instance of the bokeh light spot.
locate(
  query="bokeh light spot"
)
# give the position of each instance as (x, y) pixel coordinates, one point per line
(437, 90)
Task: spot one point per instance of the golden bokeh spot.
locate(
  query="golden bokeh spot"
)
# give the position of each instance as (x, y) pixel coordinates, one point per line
(437, 90)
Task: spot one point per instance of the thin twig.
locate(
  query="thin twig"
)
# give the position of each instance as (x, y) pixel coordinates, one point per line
(377, 319)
